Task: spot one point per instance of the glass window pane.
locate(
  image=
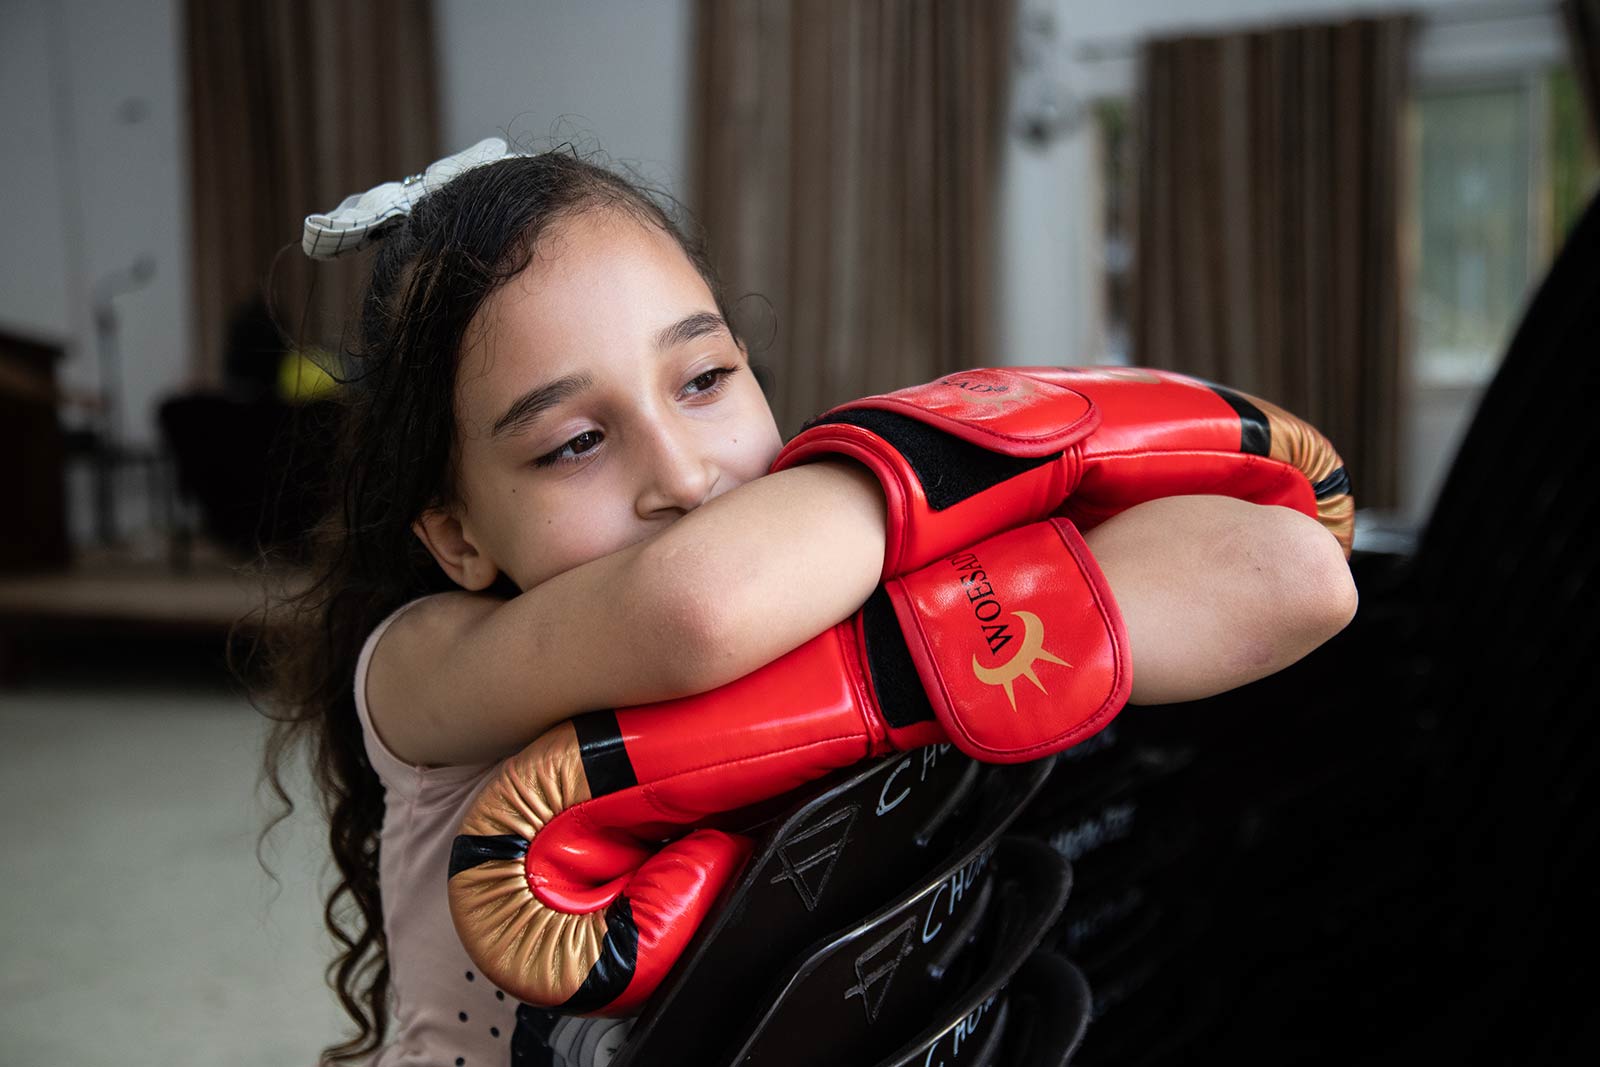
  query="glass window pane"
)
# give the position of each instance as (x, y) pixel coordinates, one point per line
(1473, 211)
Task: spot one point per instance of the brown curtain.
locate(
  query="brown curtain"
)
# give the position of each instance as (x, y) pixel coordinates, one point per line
(1582, 18)
(1269, 225)
(846, 164)
(294, 104)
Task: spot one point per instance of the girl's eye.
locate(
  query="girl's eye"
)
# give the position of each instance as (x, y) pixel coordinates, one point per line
(709, 382)
(569, 452)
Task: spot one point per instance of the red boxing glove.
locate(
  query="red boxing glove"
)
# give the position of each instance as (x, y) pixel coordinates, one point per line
(959, 458)
(561, 887)
(1164, 434)
(985, 450)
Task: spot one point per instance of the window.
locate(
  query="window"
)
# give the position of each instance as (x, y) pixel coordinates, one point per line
(1502, 169)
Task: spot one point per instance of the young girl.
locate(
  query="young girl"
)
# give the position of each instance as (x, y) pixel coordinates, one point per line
(553, 501)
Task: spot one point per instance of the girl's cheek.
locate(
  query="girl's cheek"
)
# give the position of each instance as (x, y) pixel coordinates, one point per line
(757, 448)
(572, 536)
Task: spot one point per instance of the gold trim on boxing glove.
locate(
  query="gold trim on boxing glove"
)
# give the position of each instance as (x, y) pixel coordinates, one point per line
(1297, 442)
(524, 947)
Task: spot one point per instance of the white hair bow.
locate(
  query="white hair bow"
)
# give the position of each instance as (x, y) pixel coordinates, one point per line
(350, 225)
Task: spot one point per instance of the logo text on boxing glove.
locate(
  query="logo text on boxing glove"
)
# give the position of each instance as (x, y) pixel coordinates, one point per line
(997, 634)
(979, 391)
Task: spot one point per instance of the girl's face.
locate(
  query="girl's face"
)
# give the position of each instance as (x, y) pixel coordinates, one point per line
(600, 397)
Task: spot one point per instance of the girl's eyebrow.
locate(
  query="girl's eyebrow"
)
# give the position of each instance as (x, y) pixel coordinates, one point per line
(536, 401)
(690, 327)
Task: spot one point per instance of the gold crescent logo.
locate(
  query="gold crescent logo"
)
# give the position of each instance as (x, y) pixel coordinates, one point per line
(1021, 664)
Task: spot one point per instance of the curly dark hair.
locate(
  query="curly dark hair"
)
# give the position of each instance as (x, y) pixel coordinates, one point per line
(396, 457)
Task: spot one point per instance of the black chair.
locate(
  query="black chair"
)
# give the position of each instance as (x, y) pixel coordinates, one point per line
(926, 974)
(840, 868)
(1049, 1006)
(256, 468)
(1023, 1006)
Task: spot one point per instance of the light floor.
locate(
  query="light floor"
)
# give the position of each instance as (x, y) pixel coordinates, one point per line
(136, 926)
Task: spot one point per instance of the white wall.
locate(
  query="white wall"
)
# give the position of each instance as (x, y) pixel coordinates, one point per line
(96, 175)
(33, 259)
(608, 74)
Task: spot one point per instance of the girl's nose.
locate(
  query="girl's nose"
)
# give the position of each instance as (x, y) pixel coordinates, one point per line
(680, 476)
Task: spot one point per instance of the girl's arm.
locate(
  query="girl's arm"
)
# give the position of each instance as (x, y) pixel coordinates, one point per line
(732, 585)
(1215, 593)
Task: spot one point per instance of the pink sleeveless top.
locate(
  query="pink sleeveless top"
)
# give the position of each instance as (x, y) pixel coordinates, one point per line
(444, 1011)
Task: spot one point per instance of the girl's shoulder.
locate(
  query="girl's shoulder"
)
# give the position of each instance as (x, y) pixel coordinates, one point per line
(432, 619)
(403, 654)
(427, 627)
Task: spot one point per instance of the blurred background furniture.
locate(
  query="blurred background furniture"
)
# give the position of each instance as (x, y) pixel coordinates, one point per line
(255, 470)
(32, 478)
(251, 456)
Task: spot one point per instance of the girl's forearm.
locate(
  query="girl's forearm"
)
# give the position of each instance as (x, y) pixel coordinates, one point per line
(767, 566)
(1216, 592)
